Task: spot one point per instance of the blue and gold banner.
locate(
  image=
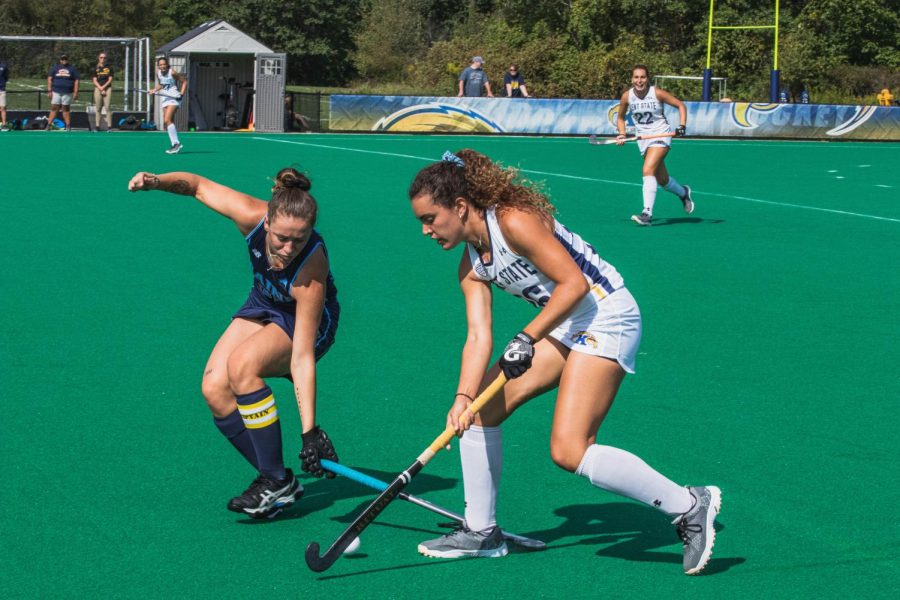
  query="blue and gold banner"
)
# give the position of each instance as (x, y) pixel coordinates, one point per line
(584, 117)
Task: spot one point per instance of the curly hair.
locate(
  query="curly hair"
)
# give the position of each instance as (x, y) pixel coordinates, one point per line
(291, 197)
(482, 182)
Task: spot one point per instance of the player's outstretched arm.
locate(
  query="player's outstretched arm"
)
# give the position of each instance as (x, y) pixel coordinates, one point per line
(246, 211)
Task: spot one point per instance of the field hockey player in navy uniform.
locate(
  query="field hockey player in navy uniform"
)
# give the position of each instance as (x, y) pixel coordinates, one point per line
(644, 102)
(582, 341)
(286, 325)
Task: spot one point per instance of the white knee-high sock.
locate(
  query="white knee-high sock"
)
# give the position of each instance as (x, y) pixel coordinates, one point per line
(625, 474)
(173, 134)
(649, 188)
(674, 187)
(481, 453)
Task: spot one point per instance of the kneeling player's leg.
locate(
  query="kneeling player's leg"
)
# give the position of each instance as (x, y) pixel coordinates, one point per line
(266, 353)
(217, 391)
(587, 390)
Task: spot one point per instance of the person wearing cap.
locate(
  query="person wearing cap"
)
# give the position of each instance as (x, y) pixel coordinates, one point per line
(62, 88)
(473, 80)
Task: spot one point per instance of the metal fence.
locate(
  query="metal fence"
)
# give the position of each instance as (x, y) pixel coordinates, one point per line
(306, 111)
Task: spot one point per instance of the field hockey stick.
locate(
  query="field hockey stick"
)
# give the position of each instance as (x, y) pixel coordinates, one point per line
(160, 93)
(379, 485)
(603, 142)
(319, 563)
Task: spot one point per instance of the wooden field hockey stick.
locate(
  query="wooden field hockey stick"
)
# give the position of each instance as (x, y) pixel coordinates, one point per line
(320, 563)
(379, 485)
(603, 142)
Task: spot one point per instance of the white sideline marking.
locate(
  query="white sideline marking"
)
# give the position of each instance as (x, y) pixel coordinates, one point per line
(563, 175)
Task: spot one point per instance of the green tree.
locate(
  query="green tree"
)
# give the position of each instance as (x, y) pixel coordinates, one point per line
(391, 36)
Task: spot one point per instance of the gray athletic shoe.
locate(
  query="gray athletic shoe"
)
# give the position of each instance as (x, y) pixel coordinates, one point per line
(687, 201)
(642, 219)
(465, 542)
(695, 527)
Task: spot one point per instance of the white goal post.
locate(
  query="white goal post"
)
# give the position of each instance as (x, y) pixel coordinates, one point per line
(135, 65)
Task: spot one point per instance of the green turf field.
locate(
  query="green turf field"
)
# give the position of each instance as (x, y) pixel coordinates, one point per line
(768, 367)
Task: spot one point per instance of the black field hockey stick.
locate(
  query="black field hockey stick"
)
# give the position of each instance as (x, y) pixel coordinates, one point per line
(320, 563)
(593, 139)
(377, 484)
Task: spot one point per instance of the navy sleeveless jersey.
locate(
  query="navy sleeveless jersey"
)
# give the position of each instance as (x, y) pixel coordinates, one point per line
(270, 298)
(275, 286)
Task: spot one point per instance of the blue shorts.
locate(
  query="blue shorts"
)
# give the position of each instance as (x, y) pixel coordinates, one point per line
(258, 308)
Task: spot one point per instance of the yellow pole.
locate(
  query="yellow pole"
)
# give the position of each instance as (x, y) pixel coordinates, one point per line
(709, 34)
(775, 67)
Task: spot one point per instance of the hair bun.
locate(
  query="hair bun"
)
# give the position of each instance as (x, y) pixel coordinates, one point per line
(292, 178)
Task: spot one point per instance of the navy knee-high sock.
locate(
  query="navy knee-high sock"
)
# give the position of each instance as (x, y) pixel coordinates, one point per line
(232, 427)
(260, 417)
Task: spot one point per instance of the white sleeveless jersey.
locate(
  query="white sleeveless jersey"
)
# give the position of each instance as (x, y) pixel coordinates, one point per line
(518, 276)
(647, 113)
(168, 83)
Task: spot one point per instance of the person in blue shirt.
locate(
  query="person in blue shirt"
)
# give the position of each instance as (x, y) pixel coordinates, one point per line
(62, 88)
(286, 325)
(473, 80)
(514, 82)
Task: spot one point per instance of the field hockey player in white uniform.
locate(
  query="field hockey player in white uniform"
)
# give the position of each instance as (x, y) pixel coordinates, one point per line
(170, 87)
(644, 103)
(583, 341)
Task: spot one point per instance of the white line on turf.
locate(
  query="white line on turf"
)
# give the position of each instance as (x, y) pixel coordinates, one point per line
(580, 178)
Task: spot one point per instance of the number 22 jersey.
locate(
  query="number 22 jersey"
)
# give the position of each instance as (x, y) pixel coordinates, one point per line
(647, 113)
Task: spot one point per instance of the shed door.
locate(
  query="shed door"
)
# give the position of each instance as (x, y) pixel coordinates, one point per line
(268, 102)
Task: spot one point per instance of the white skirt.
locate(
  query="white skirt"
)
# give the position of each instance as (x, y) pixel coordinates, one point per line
(665, 142)
(611, 330)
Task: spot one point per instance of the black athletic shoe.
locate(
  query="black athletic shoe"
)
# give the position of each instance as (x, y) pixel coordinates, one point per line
(266, 497)
(175, 149)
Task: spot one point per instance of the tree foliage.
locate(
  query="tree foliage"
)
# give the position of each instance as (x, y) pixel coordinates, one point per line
(575, 48)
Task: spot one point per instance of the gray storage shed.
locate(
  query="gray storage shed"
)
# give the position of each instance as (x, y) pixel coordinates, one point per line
(233, 80)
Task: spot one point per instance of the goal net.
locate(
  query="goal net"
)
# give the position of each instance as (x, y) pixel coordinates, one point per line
(686, 87)
(30, 59)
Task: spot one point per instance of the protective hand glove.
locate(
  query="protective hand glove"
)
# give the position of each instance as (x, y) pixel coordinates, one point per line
(316, 446)
(517, 356)
(680, 131)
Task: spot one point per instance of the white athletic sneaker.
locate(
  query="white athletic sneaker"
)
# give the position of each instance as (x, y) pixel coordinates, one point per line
(175, 149)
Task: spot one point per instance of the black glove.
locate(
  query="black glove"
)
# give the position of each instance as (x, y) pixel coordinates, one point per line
(517, 356)
(317, 446)
(680, 131)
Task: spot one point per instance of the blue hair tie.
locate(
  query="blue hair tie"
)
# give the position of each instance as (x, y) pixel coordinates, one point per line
(452, 158)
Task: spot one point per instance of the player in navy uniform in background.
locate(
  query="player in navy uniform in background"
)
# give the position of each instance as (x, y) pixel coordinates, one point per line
(582, 341)
(645, 104)
(287, 324)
